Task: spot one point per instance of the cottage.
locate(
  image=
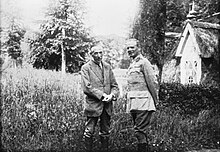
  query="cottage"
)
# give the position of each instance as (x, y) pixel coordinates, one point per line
(196, 57)
(198, 53)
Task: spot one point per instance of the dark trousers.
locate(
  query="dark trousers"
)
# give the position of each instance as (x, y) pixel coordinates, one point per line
(104, 124)
(141, 120)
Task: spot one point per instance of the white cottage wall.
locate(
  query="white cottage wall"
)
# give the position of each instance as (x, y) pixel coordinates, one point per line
(190, 63)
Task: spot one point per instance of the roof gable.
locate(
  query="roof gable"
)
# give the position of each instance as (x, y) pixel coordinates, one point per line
(187, 32)
(204, 36)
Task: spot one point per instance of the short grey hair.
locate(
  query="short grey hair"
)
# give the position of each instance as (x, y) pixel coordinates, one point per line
(133, 40)
(96, 47)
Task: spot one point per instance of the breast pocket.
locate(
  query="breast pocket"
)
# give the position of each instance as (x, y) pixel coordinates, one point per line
(137, 100)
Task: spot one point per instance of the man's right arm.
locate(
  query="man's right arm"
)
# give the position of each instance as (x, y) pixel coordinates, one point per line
(88, 89)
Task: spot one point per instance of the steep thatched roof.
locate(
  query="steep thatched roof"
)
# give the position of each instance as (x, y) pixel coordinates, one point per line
(206, 35)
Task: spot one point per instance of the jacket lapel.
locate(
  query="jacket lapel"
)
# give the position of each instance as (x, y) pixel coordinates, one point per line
(96, 70)
(104, 71)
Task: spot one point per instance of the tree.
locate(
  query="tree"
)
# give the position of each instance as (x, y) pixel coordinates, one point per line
(12, 32)
(15, 34)
(12, 37)
(149, 29)
(176, 12)
(63, 36)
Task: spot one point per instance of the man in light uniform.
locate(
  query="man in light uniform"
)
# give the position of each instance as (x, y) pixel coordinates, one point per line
(142, 92)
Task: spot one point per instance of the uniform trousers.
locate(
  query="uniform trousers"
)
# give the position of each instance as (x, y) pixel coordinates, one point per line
(141, 120)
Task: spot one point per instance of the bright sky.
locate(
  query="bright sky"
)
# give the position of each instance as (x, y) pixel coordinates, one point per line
(104, 17)
(107, 17)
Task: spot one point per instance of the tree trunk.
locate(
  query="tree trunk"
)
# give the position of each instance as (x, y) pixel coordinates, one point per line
(63, 64)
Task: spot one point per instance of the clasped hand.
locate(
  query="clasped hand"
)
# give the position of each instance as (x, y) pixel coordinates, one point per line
(107, 98)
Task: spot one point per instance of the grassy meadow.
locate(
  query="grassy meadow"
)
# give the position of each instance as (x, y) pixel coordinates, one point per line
(38, 107)
(43, 110)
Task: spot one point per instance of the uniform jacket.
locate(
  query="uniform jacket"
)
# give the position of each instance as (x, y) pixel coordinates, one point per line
(142, 87)
(95, 82)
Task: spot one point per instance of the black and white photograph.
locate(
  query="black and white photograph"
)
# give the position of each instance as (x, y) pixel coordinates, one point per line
(110, 75)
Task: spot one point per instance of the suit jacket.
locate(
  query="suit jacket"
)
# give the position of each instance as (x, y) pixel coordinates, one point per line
(96, 82)
(142, 88)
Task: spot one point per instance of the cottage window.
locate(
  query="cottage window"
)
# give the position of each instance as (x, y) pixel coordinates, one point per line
(190, 79)
(195, 63)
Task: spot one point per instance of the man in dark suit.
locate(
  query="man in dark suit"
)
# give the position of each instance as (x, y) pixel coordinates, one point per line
(100, 87)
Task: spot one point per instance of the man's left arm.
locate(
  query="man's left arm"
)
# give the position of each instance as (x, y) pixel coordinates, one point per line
(114, 85)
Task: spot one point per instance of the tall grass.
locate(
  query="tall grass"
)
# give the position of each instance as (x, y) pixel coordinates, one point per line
(43, 110)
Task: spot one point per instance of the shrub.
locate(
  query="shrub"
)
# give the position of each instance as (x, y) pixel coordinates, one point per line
(188, 117)
(189, 99)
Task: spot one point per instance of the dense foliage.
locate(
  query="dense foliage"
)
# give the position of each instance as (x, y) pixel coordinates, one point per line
(189, 99)
(12, 31)
(149, 29)
(15, 36)
(63, 34)
(11, 38)
(41, 110)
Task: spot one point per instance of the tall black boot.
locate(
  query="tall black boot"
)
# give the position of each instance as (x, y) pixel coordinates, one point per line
(104, 143)
(88, 144)
(142, 147)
